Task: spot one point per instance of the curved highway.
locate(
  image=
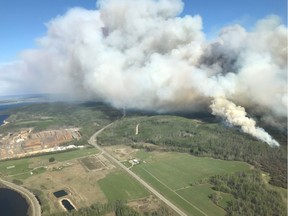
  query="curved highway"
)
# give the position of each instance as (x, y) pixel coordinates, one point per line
(32, 201)
(93, 141)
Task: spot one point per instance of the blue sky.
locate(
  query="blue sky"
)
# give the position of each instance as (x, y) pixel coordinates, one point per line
(21, 22)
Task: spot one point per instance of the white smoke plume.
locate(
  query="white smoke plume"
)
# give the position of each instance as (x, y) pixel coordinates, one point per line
(236, 116)
(142, 54)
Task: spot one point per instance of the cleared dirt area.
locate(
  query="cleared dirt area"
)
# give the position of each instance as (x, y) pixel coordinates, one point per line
(82, 187)
(92, 163)
(121, 152)
(147, 204)
(96, 162)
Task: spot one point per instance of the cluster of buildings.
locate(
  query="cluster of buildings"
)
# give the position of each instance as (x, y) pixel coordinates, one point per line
(26, 142)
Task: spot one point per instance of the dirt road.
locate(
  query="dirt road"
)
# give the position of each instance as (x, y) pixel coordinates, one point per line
(32, 201)
(93, 141)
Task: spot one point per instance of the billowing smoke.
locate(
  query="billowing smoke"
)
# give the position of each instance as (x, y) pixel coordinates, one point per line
(236, 116)
(142, 54)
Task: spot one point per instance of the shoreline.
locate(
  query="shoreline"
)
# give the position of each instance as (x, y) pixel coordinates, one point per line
(4, 123)
(3, 119)
(34, 208)
(3, 185)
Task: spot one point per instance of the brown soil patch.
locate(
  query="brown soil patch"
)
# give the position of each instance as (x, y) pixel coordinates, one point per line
(121, 152)
(81, 185)
(148, 204)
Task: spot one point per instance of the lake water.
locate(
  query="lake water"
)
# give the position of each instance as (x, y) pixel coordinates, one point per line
(12, 203)
(2, 118)
(7, 107)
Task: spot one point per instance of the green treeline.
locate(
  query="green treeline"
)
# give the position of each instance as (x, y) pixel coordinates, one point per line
(119, 208)
(251, 195)
(90, 117)
(260, 155)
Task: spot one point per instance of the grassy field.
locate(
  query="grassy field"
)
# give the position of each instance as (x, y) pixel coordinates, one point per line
(182, 178)
(120, 186)
(64, 156)
(14, 166)
(198, 196)
(25, 165)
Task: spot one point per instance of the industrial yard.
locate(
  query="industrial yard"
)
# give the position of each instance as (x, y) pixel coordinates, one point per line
(25, 142)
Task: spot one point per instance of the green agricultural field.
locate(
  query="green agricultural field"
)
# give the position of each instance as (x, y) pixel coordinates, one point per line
(20, 167)
(64, 156)
(120, 186)
(182, 178)
(14, 166)
(199, 196)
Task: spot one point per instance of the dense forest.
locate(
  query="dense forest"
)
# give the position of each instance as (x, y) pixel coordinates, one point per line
(252, 197)
(171, 133)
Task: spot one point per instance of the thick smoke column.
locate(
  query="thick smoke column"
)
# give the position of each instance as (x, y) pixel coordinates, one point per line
(142, 54)
(236, 116)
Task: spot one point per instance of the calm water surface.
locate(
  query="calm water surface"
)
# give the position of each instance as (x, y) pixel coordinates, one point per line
(12, 203)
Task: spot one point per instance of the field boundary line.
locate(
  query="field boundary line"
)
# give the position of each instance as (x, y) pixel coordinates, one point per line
(157, 178)
(183, 188)
(189, 186)
(104, 165)
(174, 192)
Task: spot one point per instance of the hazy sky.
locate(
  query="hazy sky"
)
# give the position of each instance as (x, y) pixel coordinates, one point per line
(221, 56)
(21, 22)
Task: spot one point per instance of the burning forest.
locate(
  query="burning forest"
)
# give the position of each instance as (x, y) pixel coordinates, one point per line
(145, 55)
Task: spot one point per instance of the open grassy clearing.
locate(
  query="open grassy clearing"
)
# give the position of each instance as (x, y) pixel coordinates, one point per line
(167, 192)
(180, 177)
(26, 165)
(198, 195)
(27, 174)
(14, 166)
(188, 169)
(64, 156)
(120, 186)
(225, 199)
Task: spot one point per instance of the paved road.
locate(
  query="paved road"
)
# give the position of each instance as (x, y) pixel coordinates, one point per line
(93, 141)
(33, 202)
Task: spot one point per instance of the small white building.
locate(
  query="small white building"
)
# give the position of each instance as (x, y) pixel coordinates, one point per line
(134, 161)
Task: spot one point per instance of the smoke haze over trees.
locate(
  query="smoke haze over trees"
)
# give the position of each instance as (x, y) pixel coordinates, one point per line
(144, 55)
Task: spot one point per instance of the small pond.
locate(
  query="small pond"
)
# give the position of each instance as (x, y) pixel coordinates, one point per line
(60, 193)
(69, 207)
